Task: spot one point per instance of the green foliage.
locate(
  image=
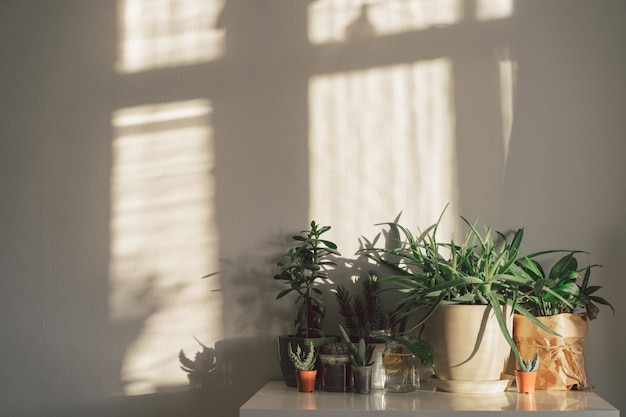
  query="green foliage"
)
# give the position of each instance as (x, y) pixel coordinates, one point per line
(366, 310)
(308, 263)
(565, 289)
(303, 360)
(428, 272)
(361, 352)
(418, 347)
(529, 366)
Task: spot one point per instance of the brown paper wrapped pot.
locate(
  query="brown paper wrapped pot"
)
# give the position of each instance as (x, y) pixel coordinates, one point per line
(562, 361)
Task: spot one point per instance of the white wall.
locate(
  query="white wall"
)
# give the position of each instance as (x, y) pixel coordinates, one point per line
(64, 347)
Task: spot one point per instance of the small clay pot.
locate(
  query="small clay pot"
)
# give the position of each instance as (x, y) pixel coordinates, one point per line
(306, 380)
(525, 381)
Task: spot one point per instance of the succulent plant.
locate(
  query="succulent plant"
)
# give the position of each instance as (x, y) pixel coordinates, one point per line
(360, 353)
(303, 361)
(529, 366)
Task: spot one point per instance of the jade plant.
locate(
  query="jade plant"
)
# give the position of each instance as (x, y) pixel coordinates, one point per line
(306, 266)
(303, 360)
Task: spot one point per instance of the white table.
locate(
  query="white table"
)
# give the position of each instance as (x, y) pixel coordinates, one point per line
(275, 399)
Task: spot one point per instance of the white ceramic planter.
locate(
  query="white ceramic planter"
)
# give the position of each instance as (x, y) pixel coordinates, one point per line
(467, 343)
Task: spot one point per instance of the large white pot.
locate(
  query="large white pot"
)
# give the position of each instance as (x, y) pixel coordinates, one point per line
(467, 343)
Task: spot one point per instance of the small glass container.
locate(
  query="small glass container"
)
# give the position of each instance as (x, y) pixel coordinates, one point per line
(400, 368)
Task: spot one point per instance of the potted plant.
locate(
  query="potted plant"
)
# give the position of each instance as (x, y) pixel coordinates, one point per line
(335, 367)
(303, 360)
(361, 360)
(363, 310)
(366, 310)
(307, 264)
(563, 301)
(464, 295)
(526, 375)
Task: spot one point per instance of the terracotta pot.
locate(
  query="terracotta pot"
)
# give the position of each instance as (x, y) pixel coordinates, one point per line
(305, 380)
(467, 343)
(286, 366)
(525, 381)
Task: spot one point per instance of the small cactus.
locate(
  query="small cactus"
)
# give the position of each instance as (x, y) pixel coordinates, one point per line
(529, 366)
(303, 361)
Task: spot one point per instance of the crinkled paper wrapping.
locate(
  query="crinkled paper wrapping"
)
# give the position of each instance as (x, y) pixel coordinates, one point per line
(561, 359)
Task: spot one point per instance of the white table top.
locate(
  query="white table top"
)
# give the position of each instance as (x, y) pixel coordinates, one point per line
(275, 399)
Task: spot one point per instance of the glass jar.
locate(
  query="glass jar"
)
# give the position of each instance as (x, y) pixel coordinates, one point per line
(400, 368)
(377, 339)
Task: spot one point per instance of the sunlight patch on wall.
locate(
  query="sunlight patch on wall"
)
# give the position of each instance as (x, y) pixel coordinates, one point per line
(166, 33)
(493, 9)
(333, 20)
(163, 239)
(507, 68)
(382, 142)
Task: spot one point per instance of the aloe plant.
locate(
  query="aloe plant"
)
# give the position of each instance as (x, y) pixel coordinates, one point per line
(308, 263)
(303, 361)
(360, 353)
(482, 269)
(529, 366)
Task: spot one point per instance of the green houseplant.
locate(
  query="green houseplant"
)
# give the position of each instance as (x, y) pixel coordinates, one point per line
(306, 265)
(563, 301)
(361, 359)
(526, 375)
(303, 360)
(365, 309)
(442, 284)
(335, 367)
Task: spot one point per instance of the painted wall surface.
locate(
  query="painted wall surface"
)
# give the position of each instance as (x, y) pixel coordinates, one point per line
(145, 144)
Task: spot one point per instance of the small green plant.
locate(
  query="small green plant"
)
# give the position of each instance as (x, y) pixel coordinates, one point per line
(360, 353)
(308, 263)
(565, 289)
(303, 361)
(529, 366)
(418, 347)
(359, 311)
